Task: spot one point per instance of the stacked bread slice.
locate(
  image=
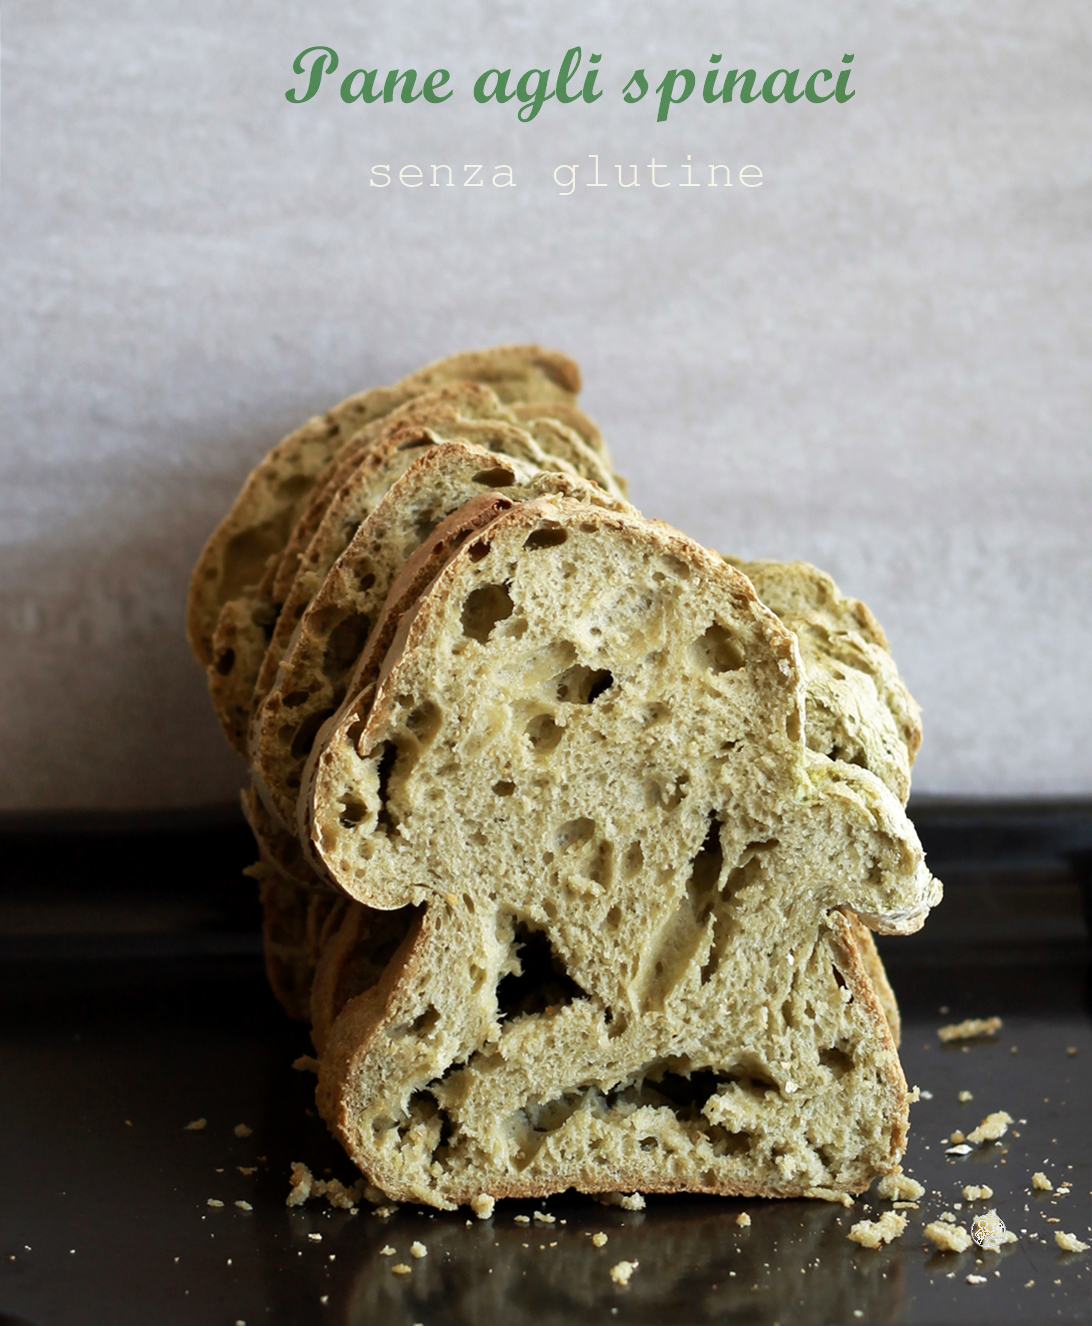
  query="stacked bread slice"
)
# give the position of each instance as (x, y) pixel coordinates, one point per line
(572, 832)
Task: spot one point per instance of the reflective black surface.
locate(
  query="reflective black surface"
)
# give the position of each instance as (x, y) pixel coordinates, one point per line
(114, 1034)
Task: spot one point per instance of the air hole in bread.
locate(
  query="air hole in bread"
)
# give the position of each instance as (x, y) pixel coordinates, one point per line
(669, 796)
(546, 536)
(836, 1059)
(538, 979)
(294, 699)
(385, 822)
(306, 733)
(634, 860)
(504, 788)
(718, 651)
(225, 662)
(484, 608)
(574, 834)
(613, 918)
(344, 644)
(705, 869)
(581, 685)
(498, 477)
(478, 550)
(415, 443)
(543, 734)
(676, 566)
(839, 978)
(425, 721)
(353, 810)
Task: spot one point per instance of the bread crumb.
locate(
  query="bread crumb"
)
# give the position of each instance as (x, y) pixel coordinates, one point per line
(300, 1184)
(1030, 1284)
(1039, 1180)
(315, 1238)
(241, 1130)
(599, 1240)
(384, 1211)
(631, 1202)
(976, 1279)
(214, 1202)
(964, 1097)
(244, 1206)
(962, 1149)
(195, 1126)
(482, 1205)
(991, 1128)
(743, 1220)
(948, 1238)
(620, 1272)
(905, 1206)
(875, 1233)
(305, 1064)
(957, 1137)
(1071, 1050)
(387, 1251)
(913, 1096)
(247, 1170)
(973, 1193)
(899, 1187)
(418, 1250)
(401, 1269)
(947, 1215)
(1069, 1242)
(543, 1218)
(522, 1219)
(829, 1195)
(962, 1031)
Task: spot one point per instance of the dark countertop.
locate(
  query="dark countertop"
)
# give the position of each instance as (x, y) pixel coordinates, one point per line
(129, 1009)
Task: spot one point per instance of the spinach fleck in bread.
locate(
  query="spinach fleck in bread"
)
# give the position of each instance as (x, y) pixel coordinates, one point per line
(276, 492)
(628, 962)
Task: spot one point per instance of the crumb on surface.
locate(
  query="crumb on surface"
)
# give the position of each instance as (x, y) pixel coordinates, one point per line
(247, 1170)
(482, 1205)
(743, 1220)
(241, 1130)
(315, 1237)
(948, 1238)
(522, 1219)
(400, 1268)
(195, 1126)
(875, 1233)
(305, 1064)
(620, 1272)
(300, 1183)
(1071, 1050)
(973, 1193)
(968, 1029)
(960, 1149)
(244, 1206)
(633, 1201)
(214, 1201)
(976, 1279)
(384, 1211)
(543, 1218)
(991, 1128)
(1069, 1242)
(599, 1240)
(899, 1187)
(1039, 1180)
(964, 1097)
(956, 1138)
(418, 1250)
(387, 1251)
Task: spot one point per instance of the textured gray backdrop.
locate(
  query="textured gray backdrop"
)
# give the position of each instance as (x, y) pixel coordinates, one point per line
(877, 361)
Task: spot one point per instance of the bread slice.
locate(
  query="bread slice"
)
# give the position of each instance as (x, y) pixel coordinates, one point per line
(585, 747)
(859, 709)
(252, 631)
(276, 492)
(334, 619)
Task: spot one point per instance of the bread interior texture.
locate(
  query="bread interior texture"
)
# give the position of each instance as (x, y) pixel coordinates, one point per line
(622, 892)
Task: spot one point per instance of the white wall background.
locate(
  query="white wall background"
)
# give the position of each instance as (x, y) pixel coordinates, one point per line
(877, 361)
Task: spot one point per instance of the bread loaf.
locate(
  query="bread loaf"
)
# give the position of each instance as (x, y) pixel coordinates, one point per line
(585, 750)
